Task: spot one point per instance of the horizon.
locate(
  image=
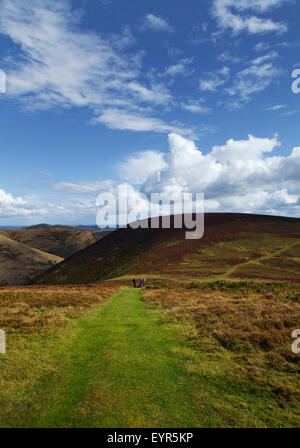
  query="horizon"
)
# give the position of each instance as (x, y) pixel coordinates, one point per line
(119, 226)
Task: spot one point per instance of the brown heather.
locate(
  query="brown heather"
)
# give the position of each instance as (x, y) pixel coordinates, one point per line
(30, 309)
(253, 329)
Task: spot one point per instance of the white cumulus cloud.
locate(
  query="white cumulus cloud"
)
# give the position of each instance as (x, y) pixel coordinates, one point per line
(11, 206)
(138, 167)
(241, 175)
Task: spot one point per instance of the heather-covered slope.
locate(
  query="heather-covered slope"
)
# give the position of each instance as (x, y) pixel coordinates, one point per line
(234, 246)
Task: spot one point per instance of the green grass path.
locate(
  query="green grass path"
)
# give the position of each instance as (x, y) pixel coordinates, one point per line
(125, 365)
(124, 369)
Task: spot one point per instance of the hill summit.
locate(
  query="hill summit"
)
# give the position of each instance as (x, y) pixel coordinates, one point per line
(233, 246)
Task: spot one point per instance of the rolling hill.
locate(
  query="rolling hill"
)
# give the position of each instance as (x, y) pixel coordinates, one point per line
(235, 246)
(19, 263)
(62, 241)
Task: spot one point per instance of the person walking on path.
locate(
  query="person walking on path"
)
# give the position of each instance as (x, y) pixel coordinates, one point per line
(134, 282)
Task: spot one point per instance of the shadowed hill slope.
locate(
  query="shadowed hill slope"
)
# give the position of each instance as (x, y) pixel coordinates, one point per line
(233, 246)
(19, 263)
(62, 241)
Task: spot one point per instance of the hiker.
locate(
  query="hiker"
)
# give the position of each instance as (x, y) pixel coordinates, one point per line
(134, 282)
(143, 282)
(140, 283)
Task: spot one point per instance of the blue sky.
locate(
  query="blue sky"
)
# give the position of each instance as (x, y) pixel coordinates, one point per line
(160, 95)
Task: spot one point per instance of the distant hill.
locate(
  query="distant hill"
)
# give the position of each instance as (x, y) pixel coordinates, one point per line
(95, 228)
(62, 226)
(39, 226)
(11, 227)
(19, 263)
(234, 246)
(62, 241)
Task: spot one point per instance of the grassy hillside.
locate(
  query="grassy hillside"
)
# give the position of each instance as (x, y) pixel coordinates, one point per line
(19, 263)
(62, 241)
(235, 246)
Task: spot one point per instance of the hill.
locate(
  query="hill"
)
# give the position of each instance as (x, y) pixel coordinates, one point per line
(93, 228)
(235, 246)
(39, 226)
(62, 241)
(19, 263)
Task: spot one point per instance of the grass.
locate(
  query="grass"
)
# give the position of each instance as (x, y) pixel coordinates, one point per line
(285, 292)
(244, 330)
(129, 371)
(40, 325)
(179, 358)
(258, 260)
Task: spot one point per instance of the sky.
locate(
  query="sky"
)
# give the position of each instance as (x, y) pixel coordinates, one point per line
(165, 97)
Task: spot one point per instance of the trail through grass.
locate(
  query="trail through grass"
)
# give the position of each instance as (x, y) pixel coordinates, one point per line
(125, 365)
(186, 279)
(233, 269)
(124, 369)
